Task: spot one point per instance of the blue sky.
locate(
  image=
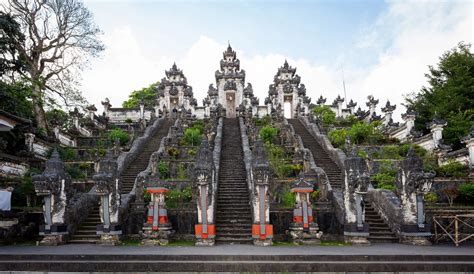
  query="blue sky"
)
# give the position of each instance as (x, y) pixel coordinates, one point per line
(384, 47)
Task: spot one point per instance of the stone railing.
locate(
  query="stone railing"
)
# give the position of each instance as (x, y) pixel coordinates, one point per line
(388, 206)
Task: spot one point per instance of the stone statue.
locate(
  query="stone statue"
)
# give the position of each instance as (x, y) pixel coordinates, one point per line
(412, 183)
(54, 185)
(356, 183)
(107, 186)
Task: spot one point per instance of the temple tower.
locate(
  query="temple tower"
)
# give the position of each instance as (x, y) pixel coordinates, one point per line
(230, 81)
(174, 93)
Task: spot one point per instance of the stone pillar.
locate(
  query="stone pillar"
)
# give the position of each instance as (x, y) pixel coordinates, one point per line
(412, 183)
(304, 229)
(469, 141)
(53, 185)
(142, 110)
(372, 104)
(91, 111)
(106, 104)
(436, 128)
(388, 110)
(409, 118)
(75, 114)
(262, 230)
(29, 141)
(204, 178)
(339, 102)
(108, 185)
(157, 230)
(356, 183)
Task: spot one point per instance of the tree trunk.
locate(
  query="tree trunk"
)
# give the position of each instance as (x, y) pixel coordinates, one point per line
(38, 109)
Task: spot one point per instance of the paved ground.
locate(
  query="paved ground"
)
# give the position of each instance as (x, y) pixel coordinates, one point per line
(376, 249)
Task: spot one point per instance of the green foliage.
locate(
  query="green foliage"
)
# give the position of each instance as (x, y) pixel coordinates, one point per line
(163, 170)
(338, 137)
(315, 195)
(24, 192)
(58, 116)
(15, 99)
(450, 94)
(128, 120)
(175, 197)
(148, 95)
(268, 134)
(288, 198)
(173, 152)
(76, 173)
(325, 115)
(199, 125)
(359, 133)
(466, 192)
(451, 194)
(264, 121)
(431, 197)
(193, 136)
(65, 153)
(192, 152)
(181, 172)
(362, 153)
(119, 134)
(385, 178)
(452, 169)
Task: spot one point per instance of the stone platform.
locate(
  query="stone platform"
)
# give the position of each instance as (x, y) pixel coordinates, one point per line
(378, 257)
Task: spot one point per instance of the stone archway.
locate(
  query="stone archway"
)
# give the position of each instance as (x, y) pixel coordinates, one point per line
(230, 105)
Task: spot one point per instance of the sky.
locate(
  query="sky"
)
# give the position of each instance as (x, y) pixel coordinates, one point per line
(377, 48)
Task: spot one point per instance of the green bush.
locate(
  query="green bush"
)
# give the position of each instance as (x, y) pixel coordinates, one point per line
(193, 136)
(119, 134)
(181, 172)
(315, 195)
(264, 121)
(325, 115)
(268, 134)
(175, 197)
(76, 173)
(288, 170)
(288, 199)
(362, 153)
(338, 137)
(466, 192)
(386, 186)
(431, 197)
(199, 125)
(452, 169)
(65, 153)
(385, 178)
(173, 152)
(163, 170)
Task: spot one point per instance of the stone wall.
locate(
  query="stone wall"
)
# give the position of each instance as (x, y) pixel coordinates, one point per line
(388, 205)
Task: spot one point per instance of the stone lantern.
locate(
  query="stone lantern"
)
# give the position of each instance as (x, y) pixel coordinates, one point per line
(54, 186)
(304, 229)
(157, 230)
(108, 185)
(356, 183)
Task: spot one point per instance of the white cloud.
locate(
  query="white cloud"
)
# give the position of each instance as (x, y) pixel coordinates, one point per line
(419, 34)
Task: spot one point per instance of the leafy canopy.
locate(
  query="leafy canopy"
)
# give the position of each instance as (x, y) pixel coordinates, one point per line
(450, 94)
(147, 94)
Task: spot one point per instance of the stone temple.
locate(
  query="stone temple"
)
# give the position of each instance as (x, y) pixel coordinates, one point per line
(232, 171)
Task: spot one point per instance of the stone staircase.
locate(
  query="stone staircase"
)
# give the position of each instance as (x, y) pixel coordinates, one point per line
(233, 216)
(379, 231)
(141, 162)
(321, 158)
(86, 233)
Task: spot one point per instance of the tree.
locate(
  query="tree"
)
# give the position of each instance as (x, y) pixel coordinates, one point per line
(59, 38)
(10, 32)
(148, 95)
(450, 94)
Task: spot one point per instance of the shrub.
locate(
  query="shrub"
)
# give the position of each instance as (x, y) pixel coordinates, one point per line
(466, 192)
(338, 137)
(128, 120)
(325, 115)
(76, 173)
(431, 197)
(452, 169)
(288, 170)
(193, 136)
(362, 153)
(451, 194)
(315, 195)
(120, 135)
(65, 153)
(175, 197)
(268, 134)
(385, 178)
(288, 199)
(199, 125)
(192, 152)
(173, 152)
(386, 186)
(181, 172)
(163, 170)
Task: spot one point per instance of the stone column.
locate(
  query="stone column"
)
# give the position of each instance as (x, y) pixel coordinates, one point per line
(262, 230)
(304, 229)
(108, 185)
(356, 183)
(142, 110)
(157, 230)
(409, 118)
(436, 127)
(388, 110)
(469, 141)
(372, 104)
(106, 104)
(53, 185)
(412, 183)
(91, 111)
(339, 102)
(204, 177)
(29, 141)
